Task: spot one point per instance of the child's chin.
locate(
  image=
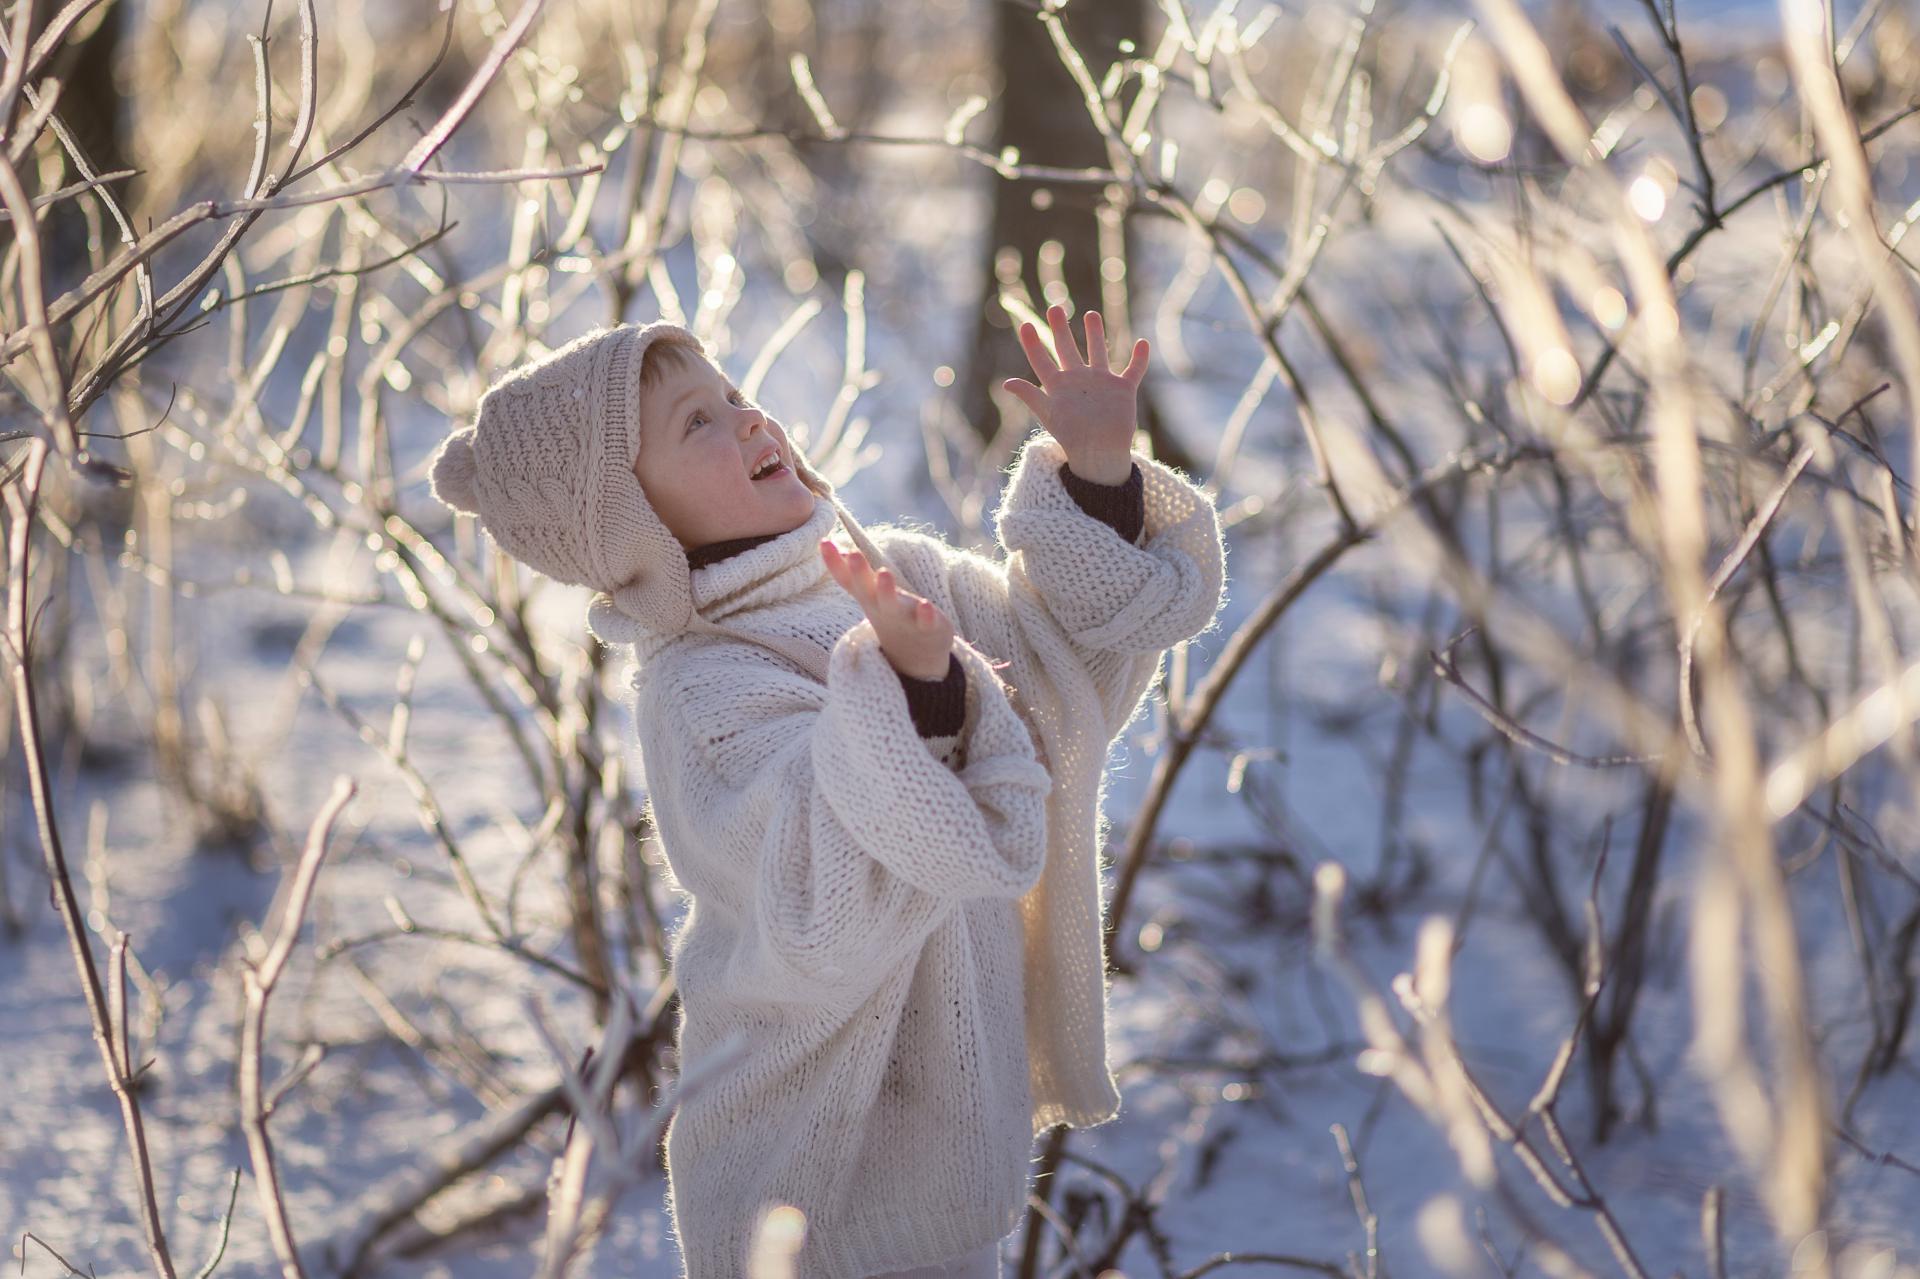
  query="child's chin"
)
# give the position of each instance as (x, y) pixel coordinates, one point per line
(800, 501)
(803, 511)
(794, 511)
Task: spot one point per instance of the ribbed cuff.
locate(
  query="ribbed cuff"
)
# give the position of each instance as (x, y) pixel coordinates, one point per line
(939, 706)
(1122, 506)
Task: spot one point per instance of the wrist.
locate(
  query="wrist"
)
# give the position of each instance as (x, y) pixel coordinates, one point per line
(925, 669)
(1102, 468)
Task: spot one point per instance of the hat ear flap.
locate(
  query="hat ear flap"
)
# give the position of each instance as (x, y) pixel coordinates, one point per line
(611, 624)
(804, 468)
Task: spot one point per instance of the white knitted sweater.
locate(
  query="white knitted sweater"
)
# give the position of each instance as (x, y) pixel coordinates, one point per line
(905, 932)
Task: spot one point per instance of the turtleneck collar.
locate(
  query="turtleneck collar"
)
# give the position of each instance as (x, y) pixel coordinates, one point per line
(743, 573)
(714, 552)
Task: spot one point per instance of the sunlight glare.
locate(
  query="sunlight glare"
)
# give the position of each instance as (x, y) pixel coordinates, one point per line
(1556, 375)
(1609, 307)
(1647, 199)
(1484, 133)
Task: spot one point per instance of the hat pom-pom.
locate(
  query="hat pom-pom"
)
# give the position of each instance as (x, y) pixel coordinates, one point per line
(455, 475)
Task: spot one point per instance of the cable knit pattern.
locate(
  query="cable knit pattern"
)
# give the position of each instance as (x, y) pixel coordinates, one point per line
(911, 949)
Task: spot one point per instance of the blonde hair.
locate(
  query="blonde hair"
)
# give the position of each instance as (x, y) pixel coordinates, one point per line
(668, 348)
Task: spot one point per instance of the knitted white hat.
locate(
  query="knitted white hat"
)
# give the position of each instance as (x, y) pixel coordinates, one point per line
(547, 466)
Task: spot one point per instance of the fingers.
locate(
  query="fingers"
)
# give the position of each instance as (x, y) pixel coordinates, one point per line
(901, 604)
(877, 592)
(855, 577)
(1028, 394)
(851, 570)
(1063, 344)
(1066, 352)
(1097, 342)
(1037, 354)
(919, 613)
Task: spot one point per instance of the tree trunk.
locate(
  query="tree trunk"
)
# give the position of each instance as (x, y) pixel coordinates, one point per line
(90, 108)
(1042, 113)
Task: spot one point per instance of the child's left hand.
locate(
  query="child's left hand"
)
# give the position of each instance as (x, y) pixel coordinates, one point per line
(1085, 405)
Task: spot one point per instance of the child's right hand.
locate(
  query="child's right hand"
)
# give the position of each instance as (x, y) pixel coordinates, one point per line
(915, 634)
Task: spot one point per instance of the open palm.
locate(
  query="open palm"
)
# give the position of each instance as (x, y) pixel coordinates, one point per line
(1081, 401)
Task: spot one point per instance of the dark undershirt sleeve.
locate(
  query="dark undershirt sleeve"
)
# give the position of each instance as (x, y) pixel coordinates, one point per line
(939, 706)
(1122, 506)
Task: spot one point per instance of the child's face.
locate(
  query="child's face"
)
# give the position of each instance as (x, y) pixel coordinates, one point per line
(700, 440)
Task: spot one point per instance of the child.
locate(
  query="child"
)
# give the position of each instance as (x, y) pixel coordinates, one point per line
(891, 847)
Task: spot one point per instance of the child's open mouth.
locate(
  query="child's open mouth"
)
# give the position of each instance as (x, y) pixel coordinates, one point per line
(779, 468)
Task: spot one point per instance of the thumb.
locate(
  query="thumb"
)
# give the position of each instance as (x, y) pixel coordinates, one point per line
(1028, 394)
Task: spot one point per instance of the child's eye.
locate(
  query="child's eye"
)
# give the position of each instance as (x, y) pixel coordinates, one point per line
(739, 397)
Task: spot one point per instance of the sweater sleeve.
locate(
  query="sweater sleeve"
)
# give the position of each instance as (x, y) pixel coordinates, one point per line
(1112, 607)
(939, 708)
(1111, 596)
(1122, 506)
(819, 818)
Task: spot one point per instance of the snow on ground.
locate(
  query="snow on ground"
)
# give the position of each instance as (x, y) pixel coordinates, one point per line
(1242, 1161)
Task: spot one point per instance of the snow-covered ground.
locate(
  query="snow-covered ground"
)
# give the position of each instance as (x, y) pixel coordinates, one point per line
(1239, 1160)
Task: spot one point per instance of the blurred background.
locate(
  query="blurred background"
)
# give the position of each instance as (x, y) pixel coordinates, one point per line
(1521, 879)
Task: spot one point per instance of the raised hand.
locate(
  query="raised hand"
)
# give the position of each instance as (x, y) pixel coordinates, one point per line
(915, 634)
(1082, 402)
